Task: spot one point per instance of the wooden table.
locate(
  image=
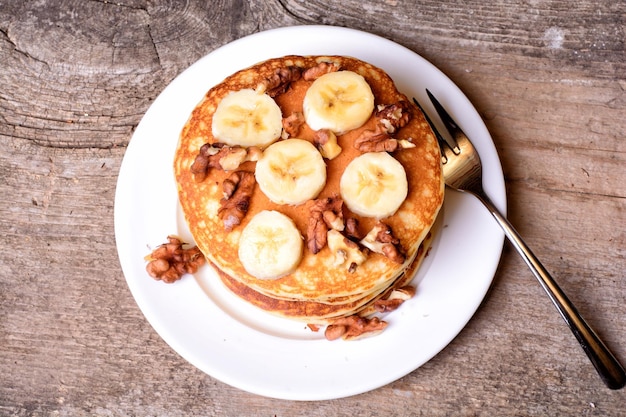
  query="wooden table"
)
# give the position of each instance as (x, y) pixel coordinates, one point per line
(75, 79)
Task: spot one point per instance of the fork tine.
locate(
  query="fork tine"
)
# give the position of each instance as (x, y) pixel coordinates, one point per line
(442, 141)
(452, 127)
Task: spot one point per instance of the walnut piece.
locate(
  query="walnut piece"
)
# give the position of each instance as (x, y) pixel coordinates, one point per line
(223, 157)
(352, 229)
(393, 116)
(326, 213)
(279, 81)
(354, 327)
(238, 189)
(326, 141)
(313, 327)
(313, 73)
(381, 240)
(390, 118)
(395, 298)
(236, 156)
(170, 261)
(379, 140)
(292, 124)
(347, 253)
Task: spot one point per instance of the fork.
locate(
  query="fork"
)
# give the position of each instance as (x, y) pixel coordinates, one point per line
(462, 171)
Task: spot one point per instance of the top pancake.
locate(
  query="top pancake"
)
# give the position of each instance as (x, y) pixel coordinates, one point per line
(316, 277)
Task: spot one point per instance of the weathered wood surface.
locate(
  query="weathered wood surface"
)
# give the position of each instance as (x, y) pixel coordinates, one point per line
(75, 79)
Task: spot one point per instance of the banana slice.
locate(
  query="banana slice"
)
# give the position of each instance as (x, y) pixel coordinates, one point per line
(247, 118)
(339, 101)
(270, 245)
(291, 171)
(374, 185)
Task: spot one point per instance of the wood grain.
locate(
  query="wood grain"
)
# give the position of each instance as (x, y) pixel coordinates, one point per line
(76, 78)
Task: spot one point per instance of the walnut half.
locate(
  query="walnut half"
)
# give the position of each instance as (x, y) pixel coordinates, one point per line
(313, 73)
(279, 81)
(170, 261)
(238, 189)
(389, 118)
(325, 214)
(381, 240)
(379, 140)
(393, 116)
(292, 124)
(354, 327)
(395, 298)
(222, 157)
(326, 141)
(347, 253)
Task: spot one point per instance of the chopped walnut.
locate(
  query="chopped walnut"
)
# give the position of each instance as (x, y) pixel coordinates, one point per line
(381, 240)
(232, 158)
(326, 141)
(170, 261)
(313, 327)
(279, 82)
(395, 298)
(238, 188)
(292, 124)
(390, 118)
(333, 217)
(379, 140)
(237, 156)
(393, 252)
(316, 234)
(313, 73)
(347, 253)
(223, 157)
(352, 229)
(326, 213)
(354, 327)
(393, 116)
(205, 159)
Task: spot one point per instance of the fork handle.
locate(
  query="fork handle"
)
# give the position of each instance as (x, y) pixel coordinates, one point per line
(608, 367)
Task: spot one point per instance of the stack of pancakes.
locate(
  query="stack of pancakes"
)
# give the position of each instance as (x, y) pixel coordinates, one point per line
(318, 291)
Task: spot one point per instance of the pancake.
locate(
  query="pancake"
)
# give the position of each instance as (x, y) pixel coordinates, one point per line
(319, 313)
(318, 288)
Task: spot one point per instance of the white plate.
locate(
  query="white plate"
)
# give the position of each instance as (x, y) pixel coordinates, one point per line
(247, 348)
